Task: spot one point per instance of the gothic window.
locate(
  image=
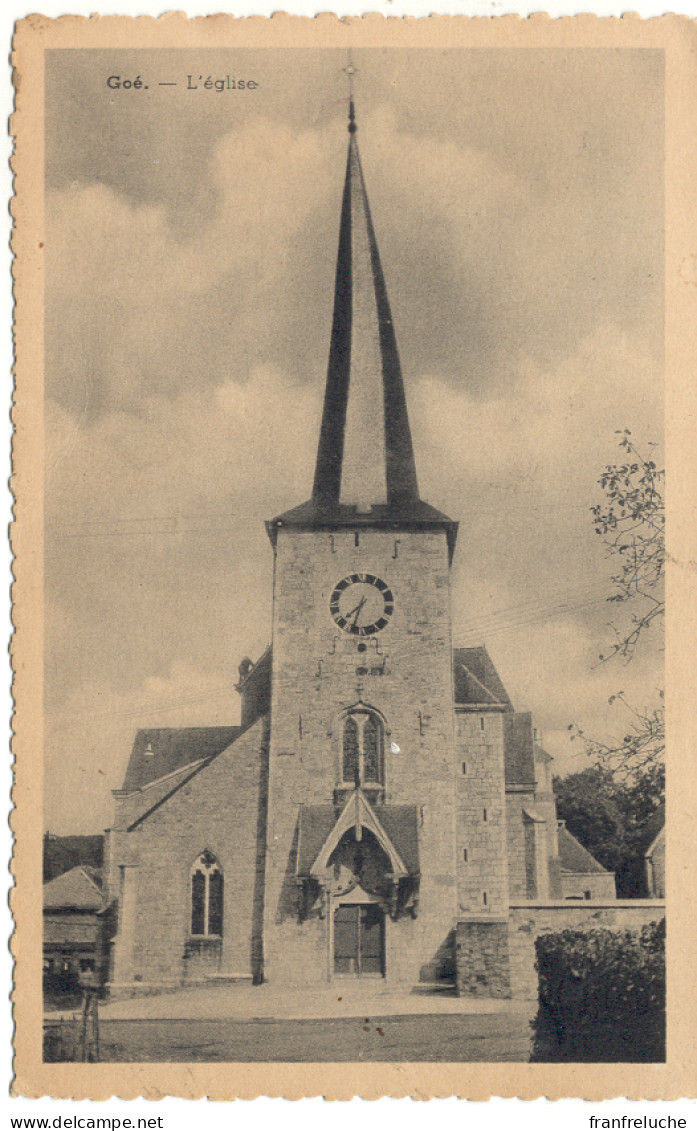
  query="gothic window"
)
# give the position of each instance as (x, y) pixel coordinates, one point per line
(206, 897)
(362, 749)
(351, 750)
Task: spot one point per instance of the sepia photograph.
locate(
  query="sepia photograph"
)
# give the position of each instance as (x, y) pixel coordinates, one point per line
(353, 569)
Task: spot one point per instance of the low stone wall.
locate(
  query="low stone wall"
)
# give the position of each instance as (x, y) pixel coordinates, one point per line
(482, 961)
(528, 920)
(495, 957)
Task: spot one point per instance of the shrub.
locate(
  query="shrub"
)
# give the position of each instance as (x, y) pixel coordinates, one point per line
(601, 995)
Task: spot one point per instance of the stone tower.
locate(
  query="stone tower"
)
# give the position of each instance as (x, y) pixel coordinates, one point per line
(361, 839)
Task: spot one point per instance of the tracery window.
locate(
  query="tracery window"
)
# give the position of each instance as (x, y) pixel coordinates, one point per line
(362, 749)
(206, 897)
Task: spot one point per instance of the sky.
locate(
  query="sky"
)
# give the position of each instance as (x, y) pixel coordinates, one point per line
(517, 197)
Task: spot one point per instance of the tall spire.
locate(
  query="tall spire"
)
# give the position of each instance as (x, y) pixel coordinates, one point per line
(365, 473)
(365, 455)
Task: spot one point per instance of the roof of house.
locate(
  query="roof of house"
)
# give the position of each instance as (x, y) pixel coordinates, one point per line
(652, 828)
(61, 853)
(163, 750)
(476, 680)
(75, 890)
(573, 857)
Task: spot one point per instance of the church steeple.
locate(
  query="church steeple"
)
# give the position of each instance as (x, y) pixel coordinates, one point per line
(365, 454)
(365, 473)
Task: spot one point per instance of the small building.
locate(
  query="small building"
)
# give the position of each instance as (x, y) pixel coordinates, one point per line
(582, 877)
(655, 855)
(61, 853)
(73, 927)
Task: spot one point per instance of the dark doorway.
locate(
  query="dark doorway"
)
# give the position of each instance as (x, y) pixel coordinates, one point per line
(359, 940)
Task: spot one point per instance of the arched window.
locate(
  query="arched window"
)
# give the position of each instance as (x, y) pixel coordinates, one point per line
(207, 897)
(362, 749)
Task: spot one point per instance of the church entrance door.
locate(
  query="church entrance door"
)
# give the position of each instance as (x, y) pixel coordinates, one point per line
(359, 940)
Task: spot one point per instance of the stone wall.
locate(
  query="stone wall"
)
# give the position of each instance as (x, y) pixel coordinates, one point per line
(482, 958)
(527, 921)
(221, 809)
(482, 872)
(405, 674)
(588, 885)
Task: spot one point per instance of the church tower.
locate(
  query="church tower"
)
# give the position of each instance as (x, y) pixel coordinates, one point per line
(361, 823)
(382, 810)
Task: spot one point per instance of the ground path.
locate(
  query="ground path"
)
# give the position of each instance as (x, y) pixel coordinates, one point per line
(473, 1037)
(351, 1022)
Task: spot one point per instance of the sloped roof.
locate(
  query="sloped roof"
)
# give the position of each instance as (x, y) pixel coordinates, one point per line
(476, 679)
(658, 843)
(74, 889)
(141, 801)
(160, 791)
(652, 827)
(542, 755)
(573, 857)
(62, 853)
(414, 514)
(163, 750)
(400, 822)
(316, 822)
(365, 454)
(314, 826)
(519, 748)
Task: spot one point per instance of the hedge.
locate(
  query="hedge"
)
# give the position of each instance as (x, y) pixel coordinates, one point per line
(602, 995)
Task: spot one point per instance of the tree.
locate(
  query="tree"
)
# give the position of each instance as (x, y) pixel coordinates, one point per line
(611, 818)
(631, 521)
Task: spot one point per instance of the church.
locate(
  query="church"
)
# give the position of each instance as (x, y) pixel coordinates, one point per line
(382, 810)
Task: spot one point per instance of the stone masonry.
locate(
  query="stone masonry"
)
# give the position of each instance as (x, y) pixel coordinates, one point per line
(317, 672)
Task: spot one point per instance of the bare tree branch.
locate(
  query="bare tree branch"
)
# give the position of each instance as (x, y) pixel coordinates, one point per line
(631, 521)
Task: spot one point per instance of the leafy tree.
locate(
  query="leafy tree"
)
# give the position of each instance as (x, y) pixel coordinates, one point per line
(631, 521)
(610, 815)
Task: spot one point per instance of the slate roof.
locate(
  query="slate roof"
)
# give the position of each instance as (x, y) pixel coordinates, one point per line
(62, 853)
(76, 889)
(652, 827)
(400, 822)
(573, 857)
(476, 679)
(170, 749)
(519, 748)
(314, 826)
(141, 803)
(413, 514)
(315, 823)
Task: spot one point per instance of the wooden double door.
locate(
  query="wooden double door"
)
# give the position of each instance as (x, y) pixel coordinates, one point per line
(359, 939)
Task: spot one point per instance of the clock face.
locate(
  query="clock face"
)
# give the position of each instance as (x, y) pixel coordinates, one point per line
(361, 604)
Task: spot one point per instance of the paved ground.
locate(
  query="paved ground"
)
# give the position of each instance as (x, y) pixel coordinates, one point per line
(338, 1023)
(338, 1001)
(484, 1037)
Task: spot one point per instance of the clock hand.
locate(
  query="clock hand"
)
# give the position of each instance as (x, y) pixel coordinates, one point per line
(355, 612)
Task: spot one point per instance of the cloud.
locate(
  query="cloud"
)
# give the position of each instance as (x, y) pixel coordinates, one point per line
(187, 328)
(89, 739)
(143, 311)
(156, 544)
